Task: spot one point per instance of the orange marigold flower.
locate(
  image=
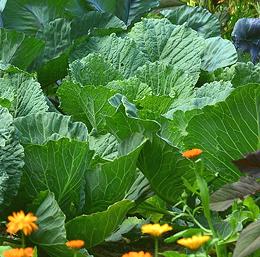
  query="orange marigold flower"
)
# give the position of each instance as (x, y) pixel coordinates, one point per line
(155, 229)
(20, 221)
(192, 153)
(193, 242)
(19, 252)
(137, 254)
(75, 244)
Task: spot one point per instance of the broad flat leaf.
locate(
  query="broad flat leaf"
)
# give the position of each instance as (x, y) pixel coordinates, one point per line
(23, 93)
(58, 166)
(108, 182)
(218, 53)
(51, 223)
(105, 146)
(14, 46)
(93, 70)
(208, 94)
(96, 22)
(87, 104)
(176, 45)
(250, 164)
(153, 106)
(197, 18)
(177, 254)
(227, 131)
(56, 35)
(166, 79)
(96, 227)
(128, 10)
(40, 128)
(122, 126)
(226, 195)
(29, 16)
(249, 240)
(61, 250)
(11, 159)
(164, 167)
(122, 53)
(132, 88)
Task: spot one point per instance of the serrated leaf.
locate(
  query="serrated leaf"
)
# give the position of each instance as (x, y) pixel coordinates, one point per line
(226, 195)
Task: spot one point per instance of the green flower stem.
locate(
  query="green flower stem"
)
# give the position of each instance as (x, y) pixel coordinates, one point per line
(156, 246)
(23, 240)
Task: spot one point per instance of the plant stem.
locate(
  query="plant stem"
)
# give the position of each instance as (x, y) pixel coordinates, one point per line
(156, 246)
(23, 240)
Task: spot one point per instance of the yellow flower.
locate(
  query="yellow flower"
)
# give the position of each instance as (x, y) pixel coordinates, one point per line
(192, 153)
(19, 252)
(137, 254)
(155, 229)
(75, 244)
(193, 242)
(20, 221)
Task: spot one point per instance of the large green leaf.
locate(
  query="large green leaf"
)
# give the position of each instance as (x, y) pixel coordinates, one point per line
(166, 79)
(22, 94)
(11, 159)
(96, 22)
(14, 46)
(122, 53)
(176, 45)
(110, 181)
(164, 167)
(42, 127)
(51, 222)
(226, 132)
(58, 166)
(249, 240)
(96, 227)
(29, 16)
(93, 70)
(128, 10)
(208, 94)
(218, 53)
(197, 18)
(87, 104)
(51, 235)
(56, 35)
(132, 88)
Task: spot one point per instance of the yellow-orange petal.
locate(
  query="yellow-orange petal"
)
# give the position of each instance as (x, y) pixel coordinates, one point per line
(192, 153)
(137, 254)
(19, 252)
(193, 242)
(75, 244)
(155, 230)
(19, 221)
